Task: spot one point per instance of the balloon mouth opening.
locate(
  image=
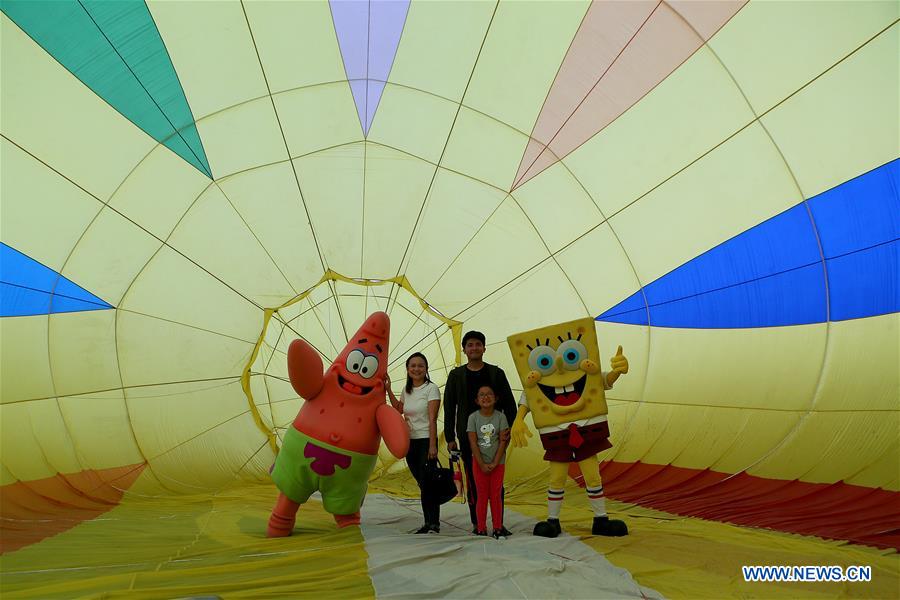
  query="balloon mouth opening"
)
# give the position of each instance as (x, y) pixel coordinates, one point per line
(352, 387)
(566, 395)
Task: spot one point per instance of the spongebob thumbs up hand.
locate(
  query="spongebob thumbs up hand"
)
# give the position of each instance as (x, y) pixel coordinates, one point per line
(619, 366)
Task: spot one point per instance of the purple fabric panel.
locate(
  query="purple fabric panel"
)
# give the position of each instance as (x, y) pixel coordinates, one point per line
(373, 96)
(385, 27)
(351, 23)
(360, 97)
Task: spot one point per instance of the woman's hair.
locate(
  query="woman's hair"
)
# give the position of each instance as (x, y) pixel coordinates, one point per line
(409, 384)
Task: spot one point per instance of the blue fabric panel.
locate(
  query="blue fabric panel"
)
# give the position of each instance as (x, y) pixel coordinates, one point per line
(865, 283)
(115, 49)
(773, 275)
(631, 311)
(27, 288)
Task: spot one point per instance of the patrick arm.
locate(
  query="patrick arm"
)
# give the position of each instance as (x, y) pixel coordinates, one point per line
(305, 369)
(393, 429)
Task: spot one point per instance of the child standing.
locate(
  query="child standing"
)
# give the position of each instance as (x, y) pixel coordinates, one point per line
(488, 461)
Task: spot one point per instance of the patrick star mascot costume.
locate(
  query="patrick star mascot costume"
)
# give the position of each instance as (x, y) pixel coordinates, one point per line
(333, 443)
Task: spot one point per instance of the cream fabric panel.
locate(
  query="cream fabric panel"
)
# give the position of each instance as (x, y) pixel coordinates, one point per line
(712, 201)
(96, 150)
(22, 450)
(661, 134)
(413, 121)
(296, 43)
(524, 47)
(774, 48)
(844, 123)
(213, 53)
(439, 45)
(318, 118)
(242, 137)
(100, 427)
(82, 348)
(455, 210)
(484, 148)
(158, 192)
(24, 351)
(560, 208)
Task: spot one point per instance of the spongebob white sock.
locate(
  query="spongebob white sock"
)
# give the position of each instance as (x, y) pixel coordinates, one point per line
(554, 502)
(597, 500)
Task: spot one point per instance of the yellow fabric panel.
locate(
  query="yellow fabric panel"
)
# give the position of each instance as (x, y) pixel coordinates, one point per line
(413, 121)
(608, 276)
(521, 55)
(884, 471)
(255, 124)
(296, 43)
(159, 190)
(332, 184)
(833, 446)
(484, 148)
(261, 399)
(396, 185)
(507, 237)
(173, 288)
(683, 557)
(82, 348)
(439, 45)
(454, 211)
(336, 119)
(860, 371)
(766, 368)
(521, 304)
(773, 48)
(53, 436)
(659, 135)
(100, 428)
(35, 86)
(205, 544)
(278, 218)
(21, 450)
(309, 326)
(43, 214)
(220, 72)
(153, 350)
(6, 477)
(104, 273)
(540, 199)
(711, 201)
(285, 404)
(23, 349)
(844, 123)
(231, 250)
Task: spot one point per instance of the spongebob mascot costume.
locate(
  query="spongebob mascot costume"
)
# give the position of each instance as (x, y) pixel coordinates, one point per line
(563, 385)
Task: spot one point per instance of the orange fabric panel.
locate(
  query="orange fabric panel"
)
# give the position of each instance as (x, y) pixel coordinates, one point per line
(34, 510)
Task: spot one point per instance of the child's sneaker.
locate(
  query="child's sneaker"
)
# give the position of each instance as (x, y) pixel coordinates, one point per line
(502, 532)
(498, 534)
(482, 532)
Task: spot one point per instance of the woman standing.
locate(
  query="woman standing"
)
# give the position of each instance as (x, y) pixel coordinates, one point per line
(420, 402)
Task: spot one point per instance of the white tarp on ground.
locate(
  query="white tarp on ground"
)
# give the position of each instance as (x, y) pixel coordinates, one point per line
(457, 564)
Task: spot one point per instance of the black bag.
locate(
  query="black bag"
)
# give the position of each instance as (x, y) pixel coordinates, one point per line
(438, 484)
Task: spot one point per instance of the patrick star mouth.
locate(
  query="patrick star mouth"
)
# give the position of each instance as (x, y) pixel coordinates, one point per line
(353, 388)
(564, 396)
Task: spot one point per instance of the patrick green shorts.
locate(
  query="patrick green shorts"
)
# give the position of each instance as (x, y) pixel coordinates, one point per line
(305, 465)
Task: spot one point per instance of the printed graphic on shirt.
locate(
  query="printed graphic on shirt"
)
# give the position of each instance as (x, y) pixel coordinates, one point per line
(487, 430)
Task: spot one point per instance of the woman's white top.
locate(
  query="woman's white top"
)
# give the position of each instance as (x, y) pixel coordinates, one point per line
(415, 408)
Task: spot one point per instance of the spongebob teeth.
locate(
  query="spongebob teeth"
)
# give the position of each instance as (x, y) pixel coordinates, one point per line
(570, 388)
(559, 390)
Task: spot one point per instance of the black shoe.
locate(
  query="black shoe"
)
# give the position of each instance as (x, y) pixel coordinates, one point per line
(498, 534)
(502, 532)
(428, 528)
(609, 527)
(549, 528)
(482, 533)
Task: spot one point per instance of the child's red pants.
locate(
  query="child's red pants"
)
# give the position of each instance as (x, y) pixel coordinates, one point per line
(488, 486)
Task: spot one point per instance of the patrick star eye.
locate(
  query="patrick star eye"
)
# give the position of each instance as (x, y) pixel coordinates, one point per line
(542, 359)
(369, 366)
(355, 361)
(572, 353)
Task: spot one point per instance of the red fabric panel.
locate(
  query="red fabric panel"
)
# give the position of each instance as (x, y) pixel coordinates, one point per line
(840, 511)
(35, 510)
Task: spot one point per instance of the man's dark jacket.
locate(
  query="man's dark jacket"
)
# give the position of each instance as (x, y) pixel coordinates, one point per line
(457, 407)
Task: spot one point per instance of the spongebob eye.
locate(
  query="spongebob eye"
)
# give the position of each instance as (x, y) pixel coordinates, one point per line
(369, 366)
(355, 361)
(572, 353)
(542, 359)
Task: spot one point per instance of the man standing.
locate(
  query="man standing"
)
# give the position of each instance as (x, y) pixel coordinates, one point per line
(460, 401)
